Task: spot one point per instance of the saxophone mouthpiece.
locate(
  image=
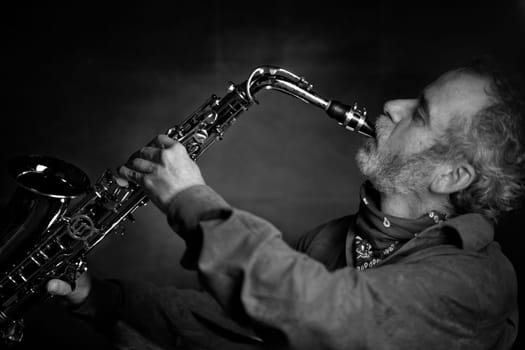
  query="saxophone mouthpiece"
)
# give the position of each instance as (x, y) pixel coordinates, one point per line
(351, 118)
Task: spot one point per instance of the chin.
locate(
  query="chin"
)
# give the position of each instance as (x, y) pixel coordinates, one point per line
(388, 173)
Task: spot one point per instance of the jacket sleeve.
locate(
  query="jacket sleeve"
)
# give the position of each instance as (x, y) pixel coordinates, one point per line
(249, 269)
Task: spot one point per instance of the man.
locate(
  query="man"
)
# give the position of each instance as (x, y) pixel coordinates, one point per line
(415, 268)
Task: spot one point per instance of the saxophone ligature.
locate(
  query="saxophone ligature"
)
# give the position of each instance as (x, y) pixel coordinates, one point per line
(55, 216)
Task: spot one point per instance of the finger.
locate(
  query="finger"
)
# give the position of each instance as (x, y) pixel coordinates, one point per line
(131, 175)
(134, 155)
(58, 287)
(149, 153)
(145, 153)
(163, 141)
(141, 165)
(122, 182)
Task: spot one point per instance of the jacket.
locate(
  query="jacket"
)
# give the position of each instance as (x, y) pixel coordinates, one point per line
(449, 287)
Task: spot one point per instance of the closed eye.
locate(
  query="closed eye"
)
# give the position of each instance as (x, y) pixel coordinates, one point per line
(417, 116)
(420, 114)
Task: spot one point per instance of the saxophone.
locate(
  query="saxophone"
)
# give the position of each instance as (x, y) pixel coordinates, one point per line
(60, 217)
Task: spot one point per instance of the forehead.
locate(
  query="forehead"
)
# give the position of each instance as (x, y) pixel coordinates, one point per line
(456, 93)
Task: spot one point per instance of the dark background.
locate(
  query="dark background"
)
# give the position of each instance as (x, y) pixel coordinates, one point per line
(92, 83)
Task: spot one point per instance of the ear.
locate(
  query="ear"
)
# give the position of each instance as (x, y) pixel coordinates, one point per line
(453, 178)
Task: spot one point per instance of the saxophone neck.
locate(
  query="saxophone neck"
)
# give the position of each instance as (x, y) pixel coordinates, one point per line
(275, 78)
(351, 118)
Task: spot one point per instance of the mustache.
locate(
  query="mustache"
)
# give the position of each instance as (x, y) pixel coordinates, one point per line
(383, 126)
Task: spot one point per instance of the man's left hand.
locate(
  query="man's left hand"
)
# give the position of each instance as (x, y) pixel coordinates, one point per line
(163, 168)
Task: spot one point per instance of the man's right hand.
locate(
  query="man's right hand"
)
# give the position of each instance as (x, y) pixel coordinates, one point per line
(76, 296)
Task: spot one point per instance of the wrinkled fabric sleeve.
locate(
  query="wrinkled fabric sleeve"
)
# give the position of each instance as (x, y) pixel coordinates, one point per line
(250, 269)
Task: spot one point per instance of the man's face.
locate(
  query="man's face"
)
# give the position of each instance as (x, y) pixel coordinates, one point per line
(398, 159)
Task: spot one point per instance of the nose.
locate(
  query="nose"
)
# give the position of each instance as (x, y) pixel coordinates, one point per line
(399, 109)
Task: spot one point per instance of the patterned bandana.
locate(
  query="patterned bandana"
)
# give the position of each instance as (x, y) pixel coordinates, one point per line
(379, 235)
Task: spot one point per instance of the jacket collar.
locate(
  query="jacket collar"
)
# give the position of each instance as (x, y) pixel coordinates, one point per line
(474, 231)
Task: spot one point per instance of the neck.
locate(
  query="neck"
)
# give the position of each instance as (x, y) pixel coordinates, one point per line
(410, 206)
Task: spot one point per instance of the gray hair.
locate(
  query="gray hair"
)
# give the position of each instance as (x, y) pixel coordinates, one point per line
(493, 144)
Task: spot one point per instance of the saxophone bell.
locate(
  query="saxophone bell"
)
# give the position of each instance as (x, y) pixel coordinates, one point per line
(45, 187)
(48, 176)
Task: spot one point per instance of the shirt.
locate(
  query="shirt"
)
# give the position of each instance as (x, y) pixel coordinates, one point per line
(448, 287)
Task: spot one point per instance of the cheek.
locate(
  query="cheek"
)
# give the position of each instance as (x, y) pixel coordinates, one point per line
(401, 138)
(412, 143)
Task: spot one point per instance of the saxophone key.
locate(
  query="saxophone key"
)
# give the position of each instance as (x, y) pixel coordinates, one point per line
(60, 245)
(220, 132)
(35, 261)
(200, 136)
(22, 277)
(44, 255)
(50, 250)
(30, 267)
(210, 118)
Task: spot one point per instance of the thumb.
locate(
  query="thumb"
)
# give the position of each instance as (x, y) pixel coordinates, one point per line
(58, 287)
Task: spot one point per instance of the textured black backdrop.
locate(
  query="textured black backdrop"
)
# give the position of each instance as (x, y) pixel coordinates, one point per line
(91, 83)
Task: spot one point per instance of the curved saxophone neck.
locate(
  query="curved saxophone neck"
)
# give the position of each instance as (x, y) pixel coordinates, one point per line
(275, 78)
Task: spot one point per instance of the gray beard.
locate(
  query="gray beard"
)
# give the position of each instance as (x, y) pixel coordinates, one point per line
(393, 173)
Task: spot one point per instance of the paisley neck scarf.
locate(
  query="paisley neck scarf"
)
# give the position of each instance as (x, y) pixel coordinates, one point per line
(379, 235)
